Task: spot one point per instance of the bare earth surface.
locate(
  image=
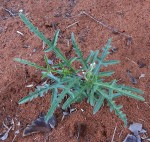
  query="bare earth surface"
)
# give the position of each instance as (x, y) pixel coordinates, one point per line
(129, 17)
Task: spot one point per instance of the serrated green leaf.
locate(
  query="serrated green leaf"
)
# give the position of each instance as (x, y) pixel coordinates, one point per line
(71, 94)
(60, 98)
(89, 56)
(78, 52)
(56, 50)
(120, 90)
(117, 110)
(29, 63)
(51, 76)
(129, 88)
(111, 62)
(113, 82)
(54, 42)
(71, 100)
(103, 56)
(116, 95)
(98, 104)
(51, 45)
(106, 73)
(54, 95)
(44, 74)
(39, 92)
(92, 95)
(34, 30)
(72, 60)
(94, 57)
(47, 64)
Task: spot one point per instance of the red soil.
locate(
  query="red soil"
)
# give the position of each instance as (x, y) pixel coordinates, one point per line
(129, 17)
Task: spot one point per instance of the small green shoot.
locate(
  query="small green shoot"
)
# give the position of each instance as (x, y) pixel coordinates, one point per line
(86, 82)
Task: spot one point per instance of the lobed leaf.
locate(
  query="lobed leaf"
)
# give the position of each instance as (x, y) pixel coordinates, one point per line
(32, 64)
(120, 90)
(54, 78)
(54, 95)
(47, 63)
(54, 42)
(60, 97)
(98, 104)
(73, 99)
(132, 89)
(34, 30)
(94, 56)
(91, 95)
(117, 110)
(56, 50)
(103, 56)
(39, 92)
(106, 73)
(78, 52)
(111, 62)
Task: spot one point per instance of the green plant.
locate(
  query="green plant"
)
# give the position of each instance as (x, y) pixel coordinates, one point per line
(86, 82)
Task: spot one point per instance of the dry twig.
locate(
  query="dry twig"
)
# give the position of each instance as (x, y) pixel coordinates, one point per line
(72, 24)
(114, 30)
(114, 133)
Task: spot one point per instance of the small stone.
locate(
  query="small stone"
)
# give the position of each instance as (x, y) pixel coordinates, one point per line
(135, 128)
(40, 125)
(34, 50)
(65, 113)
(21, 11)
(142, 75)
(17, 132)
(50, 62)
(26, 46)
(82, 110)
(130, 138)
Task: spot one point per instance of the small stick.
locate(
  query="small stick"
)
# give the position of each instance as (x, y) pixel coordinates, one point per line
(72, 24)
(120, 134)
(20, 33)
(105, 25)
(101, 23)
(141, 119)
(142, 75)
(43, 45)
(137, 105)
(114, 133)
(14, 138)
(13, 124)
(46, 137)
(147, 103)
(131, 61)
(5, 125)
(79, 129)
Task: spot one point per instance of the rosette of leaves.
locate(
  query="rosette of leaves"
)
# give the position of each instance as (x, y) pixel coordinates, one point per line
(86, 82)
